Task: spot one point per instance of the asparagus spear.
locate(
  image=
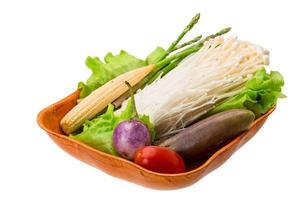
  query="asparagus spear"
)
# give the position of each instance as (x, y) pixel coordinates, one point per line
(194, 40)
(221, 32)
(172, 46)
(194, 21)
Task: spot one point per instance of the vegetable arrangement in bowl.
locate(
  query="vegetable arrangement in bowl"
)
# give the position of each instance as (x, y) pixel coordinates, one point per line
(178, 105)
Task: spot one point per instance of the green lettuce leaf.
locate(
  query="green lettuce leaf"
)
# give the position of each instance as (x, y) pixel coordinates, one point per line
(259, 95)
(113, 66)
(98, 132)
(156, 55)
(102, 72)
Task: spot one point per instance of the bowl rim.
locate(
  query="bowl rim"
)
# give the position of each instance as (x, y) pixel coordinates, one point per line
(61, 102)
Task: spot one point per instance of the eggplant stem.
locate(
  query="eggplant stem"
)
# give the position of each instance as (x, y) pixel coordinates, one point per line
(135, 113)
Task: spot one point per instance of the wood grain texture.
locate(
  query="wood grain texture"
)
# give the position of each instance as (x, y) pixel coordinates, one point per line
(49, 120)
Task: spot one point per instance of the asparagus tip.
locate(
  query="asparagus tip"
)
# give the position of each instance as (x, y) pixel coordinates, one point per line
(225, 30)
(196, 17)
(194, 21)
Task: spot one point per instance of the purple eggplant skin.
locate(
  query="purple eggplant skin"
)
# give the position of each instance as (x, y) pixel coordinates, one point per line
(207, 135)
(129, 136)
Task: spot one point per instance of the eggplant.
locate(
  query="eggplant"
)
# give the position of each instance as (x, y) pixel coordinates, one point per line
(207, 135)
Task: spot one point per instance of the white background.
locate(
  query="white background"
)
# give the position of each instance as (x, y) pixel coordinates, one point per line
(43, 45)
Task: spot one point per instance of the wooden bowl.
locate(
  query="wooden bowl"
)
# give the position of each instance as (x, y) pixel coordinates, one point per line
(49, 118)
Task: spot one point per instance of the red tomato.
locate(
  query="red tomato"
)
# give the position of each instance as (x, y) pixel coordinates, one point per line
(159, 159)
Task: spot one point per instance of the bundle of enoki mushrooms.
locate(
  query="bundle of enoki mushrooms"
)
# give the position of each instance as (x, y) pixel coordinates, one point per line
(216, 72)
